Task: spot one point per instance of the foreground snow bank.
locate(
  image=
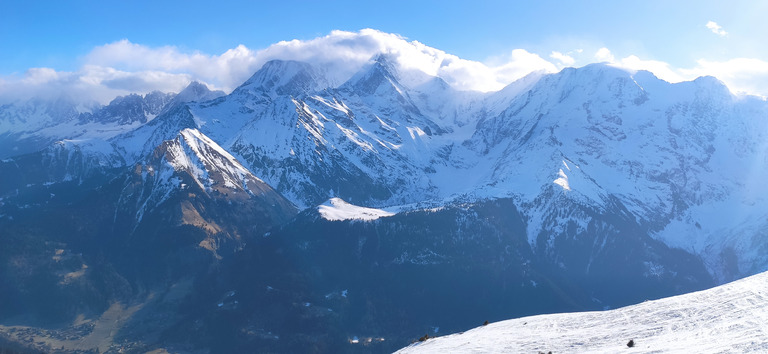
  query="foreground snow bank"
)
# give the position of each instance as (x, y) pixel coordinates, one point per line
(729, 318)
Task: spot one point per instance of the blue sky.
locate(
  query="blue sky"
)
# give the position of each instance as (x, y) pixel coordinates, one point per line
(670, 38)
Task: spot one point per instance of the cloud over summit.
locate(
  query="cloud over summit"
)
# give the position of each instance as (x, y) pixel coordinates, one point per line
(340, 54)
(123, 67)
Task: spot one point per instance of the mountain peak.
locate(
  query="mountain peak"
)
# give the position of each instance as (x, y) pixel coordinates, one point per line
(712, 85)
(285, 77)
(197, 92)
(386, 62)
(380, 73)
(598, 81)
(604, 71)
(195, 87)
(215, 171)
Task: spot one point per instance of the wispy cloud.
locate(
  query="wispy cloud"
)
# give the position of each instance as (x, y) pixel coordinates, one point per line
(740, 75)
(716, 29)
(89, 83)
(520, 63)
(661, 69)
(564, 59)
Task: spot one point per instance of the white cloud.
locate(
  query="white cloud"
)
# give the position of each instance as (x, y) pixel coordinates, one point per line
(522, 63)
(661, 69)
(741, 75)
(36, 76)
(223, 70)
(124, 67)
(344, 53)
(90, 83)
(467, 74)
(716, 29)
(604, 55)
(564, 59)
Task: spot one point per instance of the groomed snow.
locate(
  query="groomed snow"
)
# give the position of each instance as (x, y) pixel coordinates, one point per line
(729, 318)
(336, 209)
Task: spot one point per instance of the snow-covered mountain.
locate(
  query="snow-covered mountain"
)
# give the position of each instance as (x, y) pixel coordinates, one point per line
(664, 154)
(31, 125)
(192, 162)
(668, 156)
(568, 182)
(727, 318)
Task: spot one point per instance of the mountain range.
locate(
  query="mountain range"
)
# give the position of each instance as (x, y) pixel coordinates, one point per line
(293, 214)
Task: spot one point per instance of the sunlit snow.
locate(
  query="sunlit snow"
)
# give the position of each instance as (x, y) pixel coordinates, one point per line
(728, 318)
(562, 180)
(337, 209)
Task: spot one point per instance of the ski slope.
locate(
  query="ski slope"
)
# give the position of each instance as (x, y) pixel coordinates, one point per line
(728, 318)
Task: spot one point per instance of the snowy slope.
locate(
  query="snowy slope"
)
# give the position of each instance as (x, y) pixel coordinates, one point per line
(728, 318)
(336, 209)
(212, 168)
(193, 163)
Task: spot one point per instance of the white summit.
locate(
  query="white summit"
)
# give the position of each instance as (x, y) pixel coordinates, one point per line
(728, 318)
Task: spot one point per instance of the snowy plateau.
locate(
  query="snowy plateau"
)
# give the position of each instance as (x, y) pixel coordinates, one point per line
(587, 189)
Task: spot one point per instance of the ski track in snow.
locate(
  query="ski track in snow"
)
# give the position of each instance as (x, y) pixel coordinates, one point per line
(728, 318)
